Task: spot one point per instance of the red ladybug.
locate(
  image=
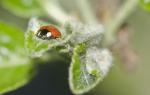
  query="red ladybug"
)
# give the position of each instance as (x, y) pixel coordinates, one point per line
(48, 32)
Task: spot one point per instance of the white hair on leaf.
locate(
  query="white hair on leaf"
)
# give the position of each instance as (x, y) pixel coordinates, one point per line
(85, 32)
(99, 60)
(33, 25)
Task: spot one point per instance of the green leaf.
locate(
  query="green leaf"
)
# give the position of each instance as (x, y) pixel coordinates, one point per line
(13, 76)
(35, 47)
(15, 67)
(145, 4)
(86, 71)
(23, 8)
(84, 33)
(72, 33)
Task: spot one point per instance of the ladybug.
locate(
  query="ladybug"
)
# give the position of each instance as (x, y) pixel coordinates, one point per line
(48, 32)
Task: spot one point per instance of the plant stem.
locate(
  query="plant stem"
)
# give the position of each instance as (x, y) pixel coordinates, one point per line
(54, 10)
(120, 18)
(86, 11)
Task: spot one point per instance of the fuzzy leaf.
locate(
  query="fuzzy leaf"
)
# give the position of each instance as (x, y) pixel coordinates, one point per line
(88, 68)
(35, 46)
(85, 33)
(15, 67)
(23, 8)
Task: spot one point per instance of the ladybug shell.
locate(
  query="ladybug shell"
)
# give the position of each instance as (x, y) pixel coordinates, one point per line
(54, 31)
